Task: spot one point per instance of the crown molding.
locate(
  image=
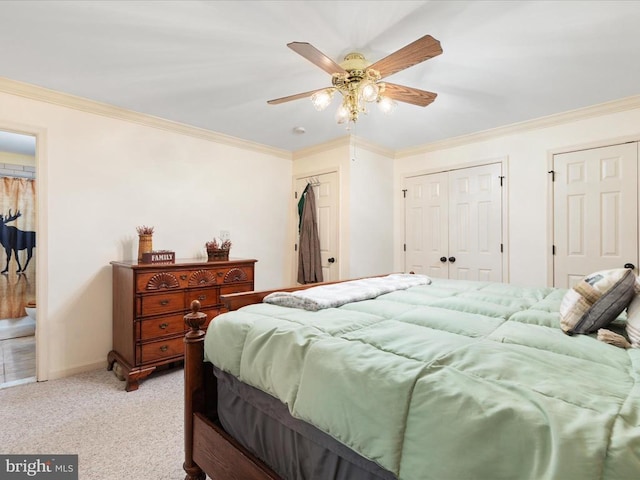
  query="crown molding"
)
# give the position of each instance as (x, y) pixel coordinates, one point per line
(344, 141)
(615, 106)
(361, 143)
(34, 92)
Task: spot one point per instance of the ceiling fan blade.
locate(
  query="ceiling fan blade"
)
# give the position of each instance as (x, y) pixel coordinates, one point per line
(316, 57)
(277, 101)
(411, 95)
(422, 49)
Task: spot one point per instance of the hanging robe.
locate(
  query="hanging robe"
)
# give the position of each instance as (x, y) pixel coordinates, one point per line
(309, 264)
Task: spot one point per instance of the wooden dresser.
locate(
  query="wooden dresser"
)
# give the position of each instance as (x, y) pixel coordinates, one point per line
(149, 304)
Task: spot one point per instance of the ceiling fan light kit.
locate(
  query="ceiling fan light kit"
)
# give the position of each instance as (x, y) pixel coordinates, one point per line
(359, 82)
(322, 99)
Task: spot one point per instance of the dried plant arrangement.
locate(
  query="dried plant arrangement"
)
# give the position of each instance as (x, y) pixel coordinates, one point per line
(217, 244)
(144, 230)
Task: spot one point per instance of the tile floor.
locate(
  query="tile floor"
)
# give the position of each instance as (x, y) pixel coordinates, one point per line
(17, 361)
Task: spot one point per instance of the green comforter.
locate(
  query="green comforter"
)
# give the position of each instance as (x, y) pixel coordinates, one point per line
(454, 380)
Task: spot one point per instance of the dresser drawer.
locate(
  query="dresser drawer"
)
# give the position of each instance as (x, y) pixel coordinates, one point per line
(163, 349)
(160, 303)
(232, 275)
(162, 281)
(155, 327)
(206, 296)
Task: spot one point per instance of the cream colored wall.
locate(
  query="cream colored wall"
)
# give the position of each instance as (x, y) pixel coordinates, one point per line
(100, 177)
(528, 148)
(371, 232)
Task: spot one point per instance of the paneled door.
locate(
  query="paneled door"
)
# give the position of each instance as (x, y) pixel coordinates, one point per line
(453, 223)
(427, 224)
(595, 211)
(325, 187)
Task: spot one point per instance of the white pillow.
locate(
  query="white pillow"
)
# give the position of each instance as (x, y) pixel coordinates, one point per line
(596, 300)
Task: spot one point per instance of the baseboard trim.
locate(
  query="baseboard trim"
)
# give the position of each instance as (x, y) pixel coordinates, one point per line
(67, 372)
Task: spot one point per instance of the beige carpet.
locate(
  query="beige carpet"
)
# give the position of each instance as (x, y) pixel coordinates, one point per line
(116, 434)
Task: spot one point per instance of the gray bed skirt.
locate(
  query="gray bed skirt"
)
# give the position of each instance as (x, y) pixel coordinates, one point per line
(294, 449)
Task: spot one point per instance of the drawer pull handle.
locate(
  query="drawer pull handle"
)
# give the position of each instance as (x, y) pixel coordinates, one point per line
(164, 302)
(164, 325)
(202, 297)
(164, 348)
(183, 277)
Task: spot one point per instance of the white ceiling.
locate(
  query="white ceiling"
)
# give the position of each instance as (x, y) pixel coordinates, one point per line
(214, 64)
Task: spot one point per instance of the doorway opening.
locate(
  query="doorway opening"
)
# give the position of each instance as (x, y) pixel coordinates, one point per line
(326, 191)
(18, 218)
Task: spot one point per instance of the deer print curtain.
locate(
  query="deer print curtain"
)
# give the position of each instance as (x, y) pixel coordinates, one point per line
(17, 239)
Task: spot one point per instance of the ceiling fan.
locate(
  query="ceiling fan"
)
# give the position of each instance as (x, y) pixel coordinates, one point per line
(359, 81)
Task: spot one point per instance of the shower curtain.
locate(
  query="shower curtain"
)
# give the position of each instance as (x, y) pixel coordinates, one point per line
(18, 209)
(309, 264)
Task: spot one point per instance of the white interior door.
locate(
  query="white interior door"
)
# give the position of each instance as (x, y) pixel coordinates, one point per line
(595, 206)
(453, 223)
(325, 187)
(426, 220)
(475, 223)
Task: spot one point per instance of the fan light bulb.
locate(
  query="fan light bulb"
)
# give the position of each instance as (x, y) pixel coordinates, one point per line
(321, 99)
(342, 115)
(369, 92)
(386, 105)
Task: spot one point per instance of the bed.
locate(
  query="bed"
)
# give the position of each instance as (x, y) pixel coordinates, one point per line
(442, 380)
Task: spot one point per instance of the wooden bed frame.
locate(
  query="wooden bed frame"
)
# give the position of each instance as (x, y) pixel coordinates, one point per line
(208, 448)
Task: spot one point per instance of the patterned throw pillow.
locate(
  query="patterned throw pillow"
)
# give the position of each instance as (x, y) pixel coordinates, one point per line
(596, 300)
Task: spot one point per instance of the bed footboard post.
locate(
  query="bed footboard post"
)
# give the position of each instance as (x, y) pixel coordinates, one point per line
(193, 385)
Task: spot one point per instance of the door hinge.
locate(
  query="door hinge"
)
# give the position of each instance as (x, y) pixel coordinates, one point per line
(295, 194)
(404, 193)
(553, 249)
(501, 248)
(404, 247)
(295, 247)
(501, 177)
(553, 175)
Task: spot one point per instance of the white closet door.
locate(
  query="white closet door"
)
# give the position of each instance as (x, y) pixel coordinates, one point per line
(426, 223)
(453, 224)
(595, 211)
(475, 227)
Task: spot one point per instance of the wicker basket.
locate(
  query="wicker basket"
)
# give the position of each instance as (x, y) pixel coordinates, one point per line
(217, 255)
(145, 244)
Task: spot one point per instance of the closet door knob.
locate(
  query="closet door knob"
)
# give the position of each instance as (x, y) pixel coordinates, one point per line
(443, 259)
(331, 260)
(452, 259)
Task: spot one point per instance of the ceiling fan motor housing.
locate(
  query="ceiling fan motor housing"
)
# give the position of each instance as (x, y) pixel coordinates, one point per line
(356, 69)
